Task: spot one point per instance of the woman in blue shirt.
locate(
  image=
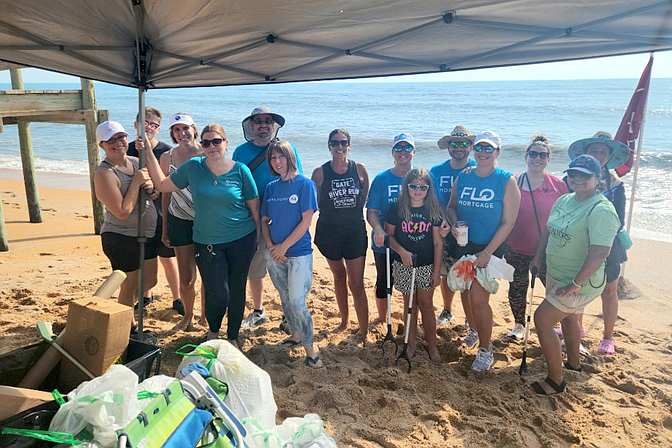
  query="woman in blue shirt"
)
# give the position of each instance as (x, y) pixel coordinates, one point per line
(286, 213)
(488, 199)
(226, 223)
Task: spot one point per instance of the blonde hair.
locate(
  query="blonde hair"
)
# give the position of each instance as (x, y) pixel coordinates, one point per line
(284, 148)
(214, 127)
(431, 200)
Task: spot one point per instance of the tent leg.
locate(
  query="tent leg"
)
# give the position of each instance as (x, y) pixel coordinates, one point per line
(141, 216)
(4, 245)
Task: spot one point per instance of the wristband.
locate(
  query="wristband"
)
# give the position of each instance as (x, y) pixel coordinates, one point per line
(574, 283)
(489, 254)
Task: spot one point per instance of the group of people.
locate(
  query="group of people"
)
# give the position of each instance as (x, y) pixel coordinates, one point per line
(250, 214)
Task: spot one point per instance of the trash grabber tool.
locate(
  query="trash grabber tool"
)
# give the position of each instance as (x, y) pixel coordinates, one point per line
(523, 362)
(404, 352)
(389, 337)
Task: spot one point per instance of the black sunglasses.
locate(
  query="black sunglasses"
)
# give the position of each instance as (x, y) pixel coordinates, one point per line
(336, 143)
(582, 175)
(265, 121)
(535, 154)
(215, 142)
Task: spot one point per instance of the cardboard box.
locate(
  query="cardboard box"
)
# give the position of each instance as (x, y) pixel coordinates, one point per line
(15, 400)
(97, 334)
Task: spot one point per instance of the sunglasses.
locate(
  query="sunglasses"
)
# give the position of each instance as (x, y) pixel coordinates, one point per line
(535, 154)
(455, 145)
(264, 121)
(114, 140)
(487, 149)
(215, 142)
(399, 148)
(575, 174)
(337, 143)
(414, 187)
(152, 125)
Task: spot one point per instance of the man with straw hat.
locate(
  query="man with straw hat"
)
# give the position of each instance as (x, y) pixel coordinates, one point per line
(459, 144)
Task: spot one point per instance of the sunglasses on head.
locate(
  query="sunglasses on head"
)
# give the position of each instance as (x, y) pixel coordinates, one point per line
(580, 174)
(337, 143)
(114, 140)
(215, 142)
(399, 148)
(264, 121)
(152, 125)
(488, 149)
(414, 187)
(535, 154)
(455, 145)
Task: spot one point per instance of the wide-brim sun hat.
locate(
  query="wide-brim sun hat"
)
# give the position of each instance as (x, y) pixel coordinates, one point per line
(459, 134)
(620, 153)
(107, 129)
(279, 121)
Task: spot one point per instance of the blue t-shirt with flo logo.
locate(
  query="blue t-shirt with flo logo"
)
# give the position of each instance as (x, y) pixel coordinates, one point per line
(284, 203)
(383, 194)
(220, 202)
(444, 177)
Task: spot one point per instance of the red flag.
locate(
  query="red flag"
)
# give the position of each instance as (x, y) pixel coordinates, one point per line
(628, 131)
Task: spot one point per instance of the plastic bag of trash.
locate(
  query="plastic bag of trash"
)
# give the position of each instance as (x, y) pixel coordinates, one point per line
(294, 432)
(250, 394)
(101, 406)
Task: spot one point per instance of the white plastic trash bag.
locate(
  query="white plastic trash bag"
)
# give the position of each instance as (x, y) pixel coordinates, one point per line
(462, 274)
(250, 390)
(102, 406)
(294, 432)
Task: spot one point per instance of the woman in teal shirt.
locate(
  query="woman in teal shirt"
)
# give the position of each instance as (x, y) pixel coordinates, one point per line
(226, 225)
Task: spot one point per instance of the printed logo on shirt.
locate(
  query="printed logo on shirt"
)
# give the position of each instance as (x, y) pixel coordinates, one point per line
(231, 183)
(446, 183)
(293, 199)
(473, 197)
(344, 193)
(416, 230)
(393, 190)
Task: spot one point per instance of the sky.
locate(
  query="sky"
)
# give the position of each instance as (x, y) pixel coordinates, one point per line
(601, 68)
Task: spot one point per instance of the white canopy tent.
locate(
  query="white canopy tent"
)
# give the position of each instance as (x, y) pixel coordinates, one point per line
(210, 42)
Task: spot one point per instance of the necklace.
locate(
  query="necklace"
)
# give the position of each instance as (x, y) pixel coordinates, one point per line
(214, 177)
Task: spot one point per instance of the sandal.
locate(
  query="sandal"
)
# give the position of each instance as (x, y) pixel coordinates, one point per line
(289, 343)
(607, 347)
(314, 363)
(558, 331)
(568, 366)
(540, 391)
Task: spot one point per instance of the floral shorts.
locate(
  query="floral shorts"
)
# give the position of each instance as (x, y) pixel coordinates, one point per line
(402, 277)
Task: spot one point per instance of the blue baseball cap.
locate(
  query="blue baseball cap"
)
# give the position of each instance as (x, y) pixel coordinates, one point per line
(586, 164)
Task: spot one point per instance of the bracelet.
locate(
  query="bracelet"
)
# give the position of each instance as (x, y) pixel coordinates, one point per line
(574, 283)
(489, 254)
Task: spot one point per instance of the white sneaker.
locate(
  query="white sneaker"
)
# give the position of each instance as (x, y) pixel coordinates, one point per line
(517, 332)
(471, 339)
(254, 319)
(483, 361)
(445, 318)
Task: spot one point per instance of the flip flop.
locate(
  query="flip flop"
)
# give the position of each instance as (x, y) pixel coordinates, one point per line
(607, 347)
(314, 363)
(568, 366)
(541, 392)
(289, 343)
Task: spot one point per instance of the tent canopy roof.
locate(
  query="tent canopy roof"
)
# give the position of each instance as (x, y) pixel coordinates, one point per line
(232, 42)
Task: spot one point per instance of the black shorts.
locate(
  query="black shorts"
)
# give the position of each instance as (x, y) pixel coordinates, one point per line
(337, 241)
(124, 251)
(180, 231)
(161, 249)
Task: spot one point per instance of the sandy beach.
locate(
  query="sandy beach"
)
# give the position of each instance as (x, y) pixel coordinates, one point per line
(366, 401)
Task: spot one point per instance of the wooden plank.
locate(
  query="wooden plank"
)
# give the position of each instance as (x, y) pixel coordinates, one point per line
(74, 117)
(27, 101)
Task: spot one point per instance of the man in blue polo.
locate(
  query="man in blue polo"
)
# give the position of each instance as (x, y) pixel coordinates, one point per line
(260, 128)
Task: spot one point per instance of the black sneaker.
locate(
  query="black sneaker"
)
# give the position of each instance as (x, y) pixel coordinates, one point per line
(178, 306)
(145, 301)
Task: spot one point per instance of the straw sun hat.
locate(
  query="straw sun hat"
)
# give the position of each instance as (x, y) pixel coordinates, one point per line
(460, 133)
(619, 152)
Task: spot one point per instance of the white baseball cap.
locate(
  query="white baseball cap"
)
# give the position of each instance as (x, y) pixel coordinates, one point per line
(107, 129)
(181, 119)
(489, 137)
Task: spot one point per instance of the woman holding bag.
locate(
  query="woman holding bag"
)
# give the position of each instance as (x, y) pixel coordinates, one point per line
(538, 192)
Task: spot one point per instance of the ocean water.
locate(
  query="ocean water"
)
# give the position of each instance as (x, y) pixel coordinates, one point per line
(374, 112)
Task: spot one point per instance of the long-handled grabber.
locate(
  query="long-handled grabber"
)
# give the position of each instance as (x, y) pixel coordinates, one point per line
(404, 352)
(523, 363)
(389, 337)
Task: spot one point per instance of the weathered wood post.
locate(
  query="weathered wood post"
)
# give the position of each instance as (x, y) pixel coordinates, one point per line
(29, 178)
(4, 244)
(89, 103)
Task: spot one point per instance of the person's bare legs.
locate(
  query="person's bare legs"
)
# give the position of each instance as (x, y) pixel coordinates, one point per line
(610, 308)
(256, 290)
(426, 307)
(186, 264)
(355, 274)
(381, 306)
(447, 295)
(466, 306)
(571, 331)
(546, 317)
(129, 287)
(413, 327)
(170, 269)
(340, 273)
(481, 312)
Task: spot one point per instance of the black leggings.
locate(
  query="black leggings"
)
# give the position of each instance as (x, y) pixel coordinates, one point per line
(381, 279)
(223, 269)
(521, 278)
